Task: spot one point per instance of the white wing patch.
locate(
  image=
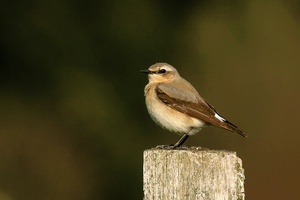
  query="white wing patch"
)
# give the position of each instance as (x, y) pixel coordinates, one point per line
(219, 117)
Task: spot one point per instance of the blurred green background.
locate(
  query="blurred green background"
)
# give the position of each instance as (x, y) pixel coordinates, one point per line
(73, 120)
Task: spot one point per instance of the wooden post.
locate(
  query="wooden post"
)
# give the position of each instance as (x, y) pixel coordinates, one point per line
(192, 174)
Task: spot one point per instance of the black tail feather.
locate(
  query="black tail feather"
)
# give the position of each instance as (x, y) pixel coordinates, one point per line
(233, 128)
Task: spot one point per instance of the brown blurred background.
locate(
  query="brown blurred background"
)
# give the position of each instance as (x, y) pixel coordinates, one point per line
(73, 120)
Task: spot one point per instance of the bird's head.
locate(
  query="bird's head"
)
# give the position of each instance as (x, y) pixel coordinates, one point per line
(161, 72)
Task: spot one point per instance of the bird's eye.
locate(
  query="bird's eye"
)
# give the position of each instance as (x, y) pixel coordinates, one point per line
(162, 71)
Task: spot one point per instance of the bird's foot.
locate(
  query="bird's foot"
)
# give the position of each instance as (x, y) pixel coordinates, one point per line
(168, 147)
(199, 148)
(172, 146)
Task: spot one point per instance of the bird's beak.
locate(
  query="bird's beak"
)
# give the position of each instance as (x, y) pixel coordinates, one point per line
(146, 71)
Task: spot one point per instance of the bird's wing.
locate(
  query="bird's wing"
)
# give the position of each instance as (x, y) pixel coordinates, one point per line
(181, 90)
(185, 102)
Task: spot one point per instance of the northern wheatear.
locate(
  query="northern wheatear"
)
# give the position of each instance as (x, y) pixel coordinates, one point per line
(174, 104)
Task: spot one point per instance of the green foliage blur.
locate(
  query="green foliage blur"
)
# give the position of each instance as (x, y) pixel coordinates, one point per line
(73, 122)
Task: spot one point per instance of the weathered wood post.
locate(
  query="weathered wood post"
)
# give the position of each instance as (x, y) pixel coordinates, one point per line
(192, 174)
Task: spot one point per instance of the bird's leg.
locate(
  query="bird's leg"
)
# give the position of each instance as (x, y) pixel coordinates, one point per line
(181, 140)
(178, 144)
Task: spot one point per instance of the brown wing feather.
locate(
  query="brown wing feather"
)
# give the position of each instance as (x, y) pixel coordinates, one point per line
(200, 110)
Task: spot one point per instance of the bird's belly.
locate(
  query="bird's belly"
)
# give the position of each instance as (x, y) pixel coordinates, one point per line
(173, 120)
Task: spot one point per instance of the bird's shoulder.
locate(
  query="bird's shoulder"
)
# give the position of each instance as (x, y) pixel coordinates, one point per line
(181, 90)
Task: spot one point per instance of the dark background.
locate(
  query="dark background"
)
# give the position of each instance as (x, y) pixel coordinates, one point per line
(73, 122)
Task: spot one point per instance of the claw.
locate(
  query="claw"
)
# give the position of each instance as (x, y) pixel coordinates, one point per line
(167, 147)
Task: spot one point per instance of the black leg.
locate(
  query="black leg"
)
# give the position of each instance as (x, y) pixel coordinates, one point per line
(181, 140)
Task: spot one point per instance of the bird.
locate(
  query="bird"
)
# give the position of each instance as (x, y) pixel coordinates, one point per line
(174, 104)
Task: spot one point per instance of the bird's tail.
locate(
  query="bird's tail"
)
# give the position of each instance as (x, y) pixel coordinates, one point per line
(233, 128)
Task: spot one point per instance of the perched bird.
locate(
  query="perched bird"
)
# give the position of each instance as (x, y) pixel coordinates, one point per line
(174, 104)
